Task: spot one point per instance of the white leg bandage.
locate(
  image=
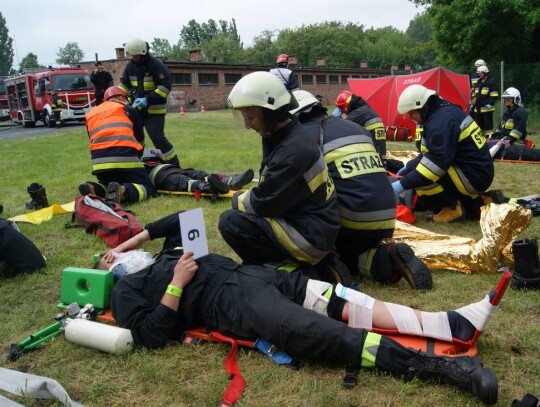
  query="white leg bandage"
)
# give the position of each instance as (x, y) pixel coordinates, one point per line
(436, 325)
(360, 307)
(315, 300)
(479, 314)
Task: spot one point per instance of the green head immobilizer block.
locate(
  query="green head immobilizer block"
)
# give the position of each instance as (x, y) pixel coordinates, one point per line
(86, 286)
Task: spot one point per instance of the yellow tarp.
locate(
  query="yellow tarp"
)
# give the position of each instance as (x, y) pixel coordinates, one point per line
(44, 214)
(500, 225)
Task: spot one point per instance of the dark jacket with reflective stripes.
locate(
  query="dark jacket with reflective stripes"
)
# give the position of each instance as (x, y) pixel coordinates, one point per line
(295, 195)
(486, 94)
(514, 124)
(361, 113)
(150, 79)
(365, 197)
(452, 142)
(116, 137)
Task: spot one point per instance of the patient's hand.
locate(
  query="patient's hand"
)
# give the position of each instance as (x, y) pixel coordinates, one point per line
(184, 270)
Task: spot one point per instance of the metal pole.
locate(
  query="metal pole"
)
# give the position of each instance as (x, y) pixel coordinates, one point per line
(502, 88)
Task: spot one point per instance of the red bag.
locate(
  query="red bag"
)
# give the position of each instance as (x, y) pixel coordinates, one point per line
(107, 219)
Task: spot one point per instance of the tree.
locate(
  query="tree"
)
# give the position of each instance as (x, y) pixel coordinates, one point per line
(70, 54)
(194, 34)
(6, 48)
(29, 61)
(222, 48)
(496, 30)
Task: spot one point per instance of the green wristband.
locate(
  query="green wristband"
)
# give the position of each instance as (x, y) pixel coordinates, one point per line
(174, 291)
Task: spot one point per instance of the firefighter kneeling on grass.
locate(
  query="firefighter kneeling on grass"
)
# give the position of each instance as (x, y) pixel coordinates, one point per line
(454, 166)
(116, 145)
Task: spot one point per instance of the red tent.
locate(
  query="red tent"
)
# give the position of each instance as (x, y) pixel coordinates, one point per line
(382, 94)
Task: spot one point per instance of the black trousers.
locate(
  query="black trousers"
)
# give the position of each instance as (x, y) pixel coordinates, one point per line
(135, 180)
(17, 251)
(254, 244)
(155, 127)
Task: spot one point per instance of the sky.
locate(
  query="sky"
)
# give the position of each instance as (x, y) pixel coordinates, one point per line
(100, 26)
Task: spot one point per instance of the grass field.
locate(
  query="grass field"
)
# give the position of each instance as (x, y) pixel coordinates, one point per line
(192, 375)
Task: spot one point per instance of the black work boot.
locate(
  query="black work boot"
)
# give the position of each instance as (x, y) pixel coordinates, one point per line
(238, 181)
(526, 264)
(217, 184)
(332, 270)
(39, 197)
(464, 372)
(403, 263)
(93, 188)
(116, 192)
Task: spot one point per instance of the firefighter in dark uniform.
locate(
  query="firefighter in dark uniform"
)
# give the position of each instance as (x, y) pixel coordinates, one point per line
(300, 316)
(171, 177)
(292, 215)
(366, 201)
(513, 126)
(484, 98)
(473, 79)
(454, 166)
(147, 81)
(360, 112)
(56, 107)
(116, 136)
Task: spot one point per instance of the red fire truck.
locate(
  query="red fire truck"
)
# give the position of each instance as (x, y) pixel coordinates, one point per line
(29, 96)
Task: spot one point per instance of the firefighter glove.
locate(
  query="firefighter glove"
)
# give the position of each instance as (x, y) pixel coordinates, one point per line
(398, 189)
(337, 112)
(140, 103)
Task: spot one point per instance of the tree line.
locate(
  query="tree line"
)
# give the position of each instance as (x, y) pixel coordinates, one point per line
(451, 33)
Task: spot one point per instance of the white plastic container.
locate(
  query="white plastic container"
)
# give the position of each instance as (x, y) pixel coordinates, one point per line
(107, 338)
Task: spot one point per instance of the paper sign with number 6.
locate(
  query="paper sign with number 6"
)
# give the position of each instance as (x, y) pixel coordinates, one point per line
(193, 232)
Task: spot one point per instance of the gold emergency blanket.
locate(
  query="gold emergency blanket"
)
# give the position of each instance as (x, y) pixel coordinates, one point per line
(500, 225)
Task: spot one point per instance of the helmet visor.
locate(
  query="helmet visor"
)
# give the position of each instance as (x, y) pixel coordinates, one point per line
(246, 117)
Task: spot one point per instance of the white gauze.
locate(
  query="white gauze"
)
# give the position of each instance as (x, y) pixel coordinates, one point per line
(479, 314)
(436, 325)
(133, 260)
(405, 319)
(360, 307)
(315, 300)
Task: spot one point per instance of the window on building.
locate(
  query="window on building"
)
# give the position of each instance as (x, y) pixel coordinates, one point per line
(333, 78)
(321, 79)
(208, 79)
(181, 78)
(344, 79)
(356, 76)
(232, 78)
(307, 79)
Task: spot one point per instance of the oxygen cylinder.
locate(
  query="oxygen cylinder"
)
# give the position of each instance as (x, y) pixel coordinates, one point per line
(107, 338)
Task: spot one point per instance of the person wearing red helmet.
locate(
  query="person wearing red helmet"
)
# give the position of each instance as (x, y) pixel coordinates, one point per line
(360, 112)
(116, 145)
(284, 74)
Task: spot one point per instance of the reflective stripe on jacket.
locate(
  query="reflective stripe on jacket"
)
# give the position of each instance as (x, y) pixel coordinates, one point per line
(365, 197)
(151, 80)
(112, 141)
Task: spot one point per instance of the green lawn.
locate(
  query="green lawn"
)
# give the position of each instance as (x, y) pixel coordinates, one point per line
(193, 375)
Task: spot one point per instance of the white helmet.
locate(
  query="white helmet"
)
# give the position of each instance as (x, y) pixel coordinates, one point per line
(136, 47)
(261, 89)
(479, 62)
(482, 69)
(414, 97)
(512, 93)
(305, 101)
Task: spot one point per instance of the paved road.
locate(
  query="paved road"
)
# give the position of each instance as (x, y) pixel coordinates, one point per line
(14, 132)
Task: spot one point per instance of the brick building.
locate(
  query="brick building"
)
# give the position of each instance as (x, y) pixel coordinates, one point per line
(196, 83)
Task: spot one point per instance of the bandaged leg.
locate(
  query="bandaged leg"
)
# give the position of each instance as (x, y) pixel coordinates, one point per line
(318, 296)
(462, 325)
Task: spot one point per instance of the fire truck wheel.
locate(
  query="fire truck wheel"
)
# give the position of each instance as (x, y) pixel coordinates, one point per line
(49, 121)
